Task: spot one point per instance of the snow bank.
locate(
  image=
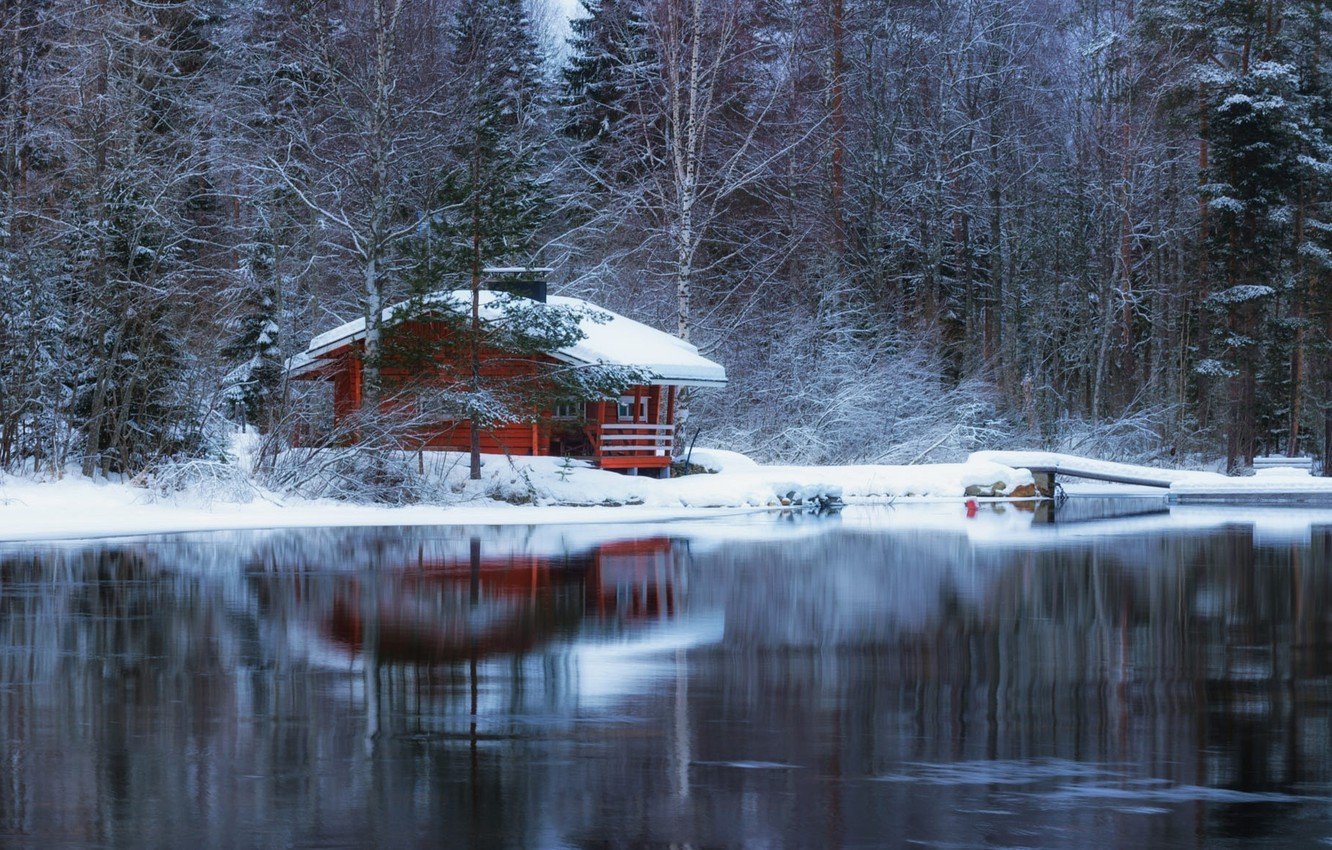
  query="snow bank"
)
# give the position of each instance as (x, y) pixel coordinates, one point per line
(739, 482)
(76, 507)
(721, 460)
(1181, 482)
(1262, 482)
(527, 490)
(757, 485)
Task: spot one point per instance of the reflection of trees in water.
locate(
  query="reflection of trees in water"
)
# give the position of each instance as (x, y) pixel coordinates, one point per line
(1198, 657)
(315, 682)
(144, 683)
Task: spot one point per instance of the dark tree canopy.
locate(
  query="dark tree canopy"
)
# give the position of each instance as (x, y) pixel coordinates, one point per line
(908, 230)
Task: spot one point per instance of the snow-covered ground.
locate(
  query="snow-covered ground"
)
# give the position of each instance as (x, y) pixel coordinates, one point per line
(544, 490)
(512, 491)
(77, 507)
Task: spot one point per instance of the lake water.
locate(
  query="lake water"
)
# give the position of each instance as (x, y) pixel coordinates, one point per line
(908, 676)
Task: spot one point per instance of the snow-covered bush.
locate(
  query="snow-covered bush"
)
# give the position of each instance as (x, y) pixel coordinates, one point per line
(824, 390)
(199, 481)
(1153, 436)
(365, 474)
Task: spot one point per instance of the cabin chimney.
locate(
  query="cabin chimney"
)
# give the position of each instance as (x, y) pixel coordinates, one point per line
(518, 280)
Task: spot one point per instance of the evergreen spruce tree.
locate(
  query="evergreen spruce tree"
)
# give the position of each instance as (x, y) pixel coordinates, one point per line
(142, 220)
(495, 197)
(1256, 122)
(493, 201)
(608, 60)
(1307, 30)
(33, 367)
(252, 387)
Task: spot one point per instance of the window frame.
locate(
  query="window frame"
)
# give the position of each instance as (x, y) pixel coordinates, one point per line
(578, 408)
(627, 402)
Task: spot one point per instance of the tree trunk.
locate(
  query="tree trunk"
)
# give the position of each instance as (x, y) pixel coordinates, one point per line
(474, 347)
(1327, 421)
(838, 120)
(374, 327)
(1203, 329)
(1297, 350)
(994, 303)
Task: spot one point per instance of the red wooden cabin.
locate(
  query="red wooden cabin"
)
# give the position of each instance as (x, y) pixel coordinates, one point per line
(632, 432)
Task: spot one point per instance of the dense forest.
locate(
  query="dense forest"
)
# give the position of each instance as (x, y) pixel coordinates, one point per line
(908, 228)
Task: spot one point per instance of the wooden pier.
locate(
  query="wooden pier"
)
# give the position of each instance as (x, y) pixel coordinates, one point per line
(1185, 486)
(1046, 467)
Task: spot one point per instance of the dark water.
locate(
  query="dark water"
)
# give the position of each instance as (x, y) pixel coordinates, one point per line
(892, 677)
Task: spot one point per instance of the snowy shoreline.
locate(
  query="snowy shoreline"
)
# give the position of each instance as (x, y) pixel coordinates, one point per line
(513, 491)
(549, 491)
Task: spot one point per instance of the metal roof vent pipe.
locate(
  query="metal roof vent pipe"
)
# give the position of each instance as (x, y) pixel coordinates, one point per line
(523, 281)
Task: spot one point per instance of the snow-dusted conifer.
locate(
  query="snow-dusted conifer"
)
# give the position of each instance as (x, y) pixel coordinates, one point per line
(493, 198)
(253, 385)
(602, 85)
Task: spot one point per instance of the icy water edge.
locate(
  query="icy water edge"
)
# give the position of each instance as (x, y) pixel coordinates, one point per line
(889, 677)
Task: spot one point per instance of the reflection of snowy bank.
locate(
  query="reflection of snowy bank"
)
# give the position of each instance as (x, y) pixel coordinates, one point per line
(553, 683)
(889, 573)
(1016, 526)
(351, 548)
(607, 671)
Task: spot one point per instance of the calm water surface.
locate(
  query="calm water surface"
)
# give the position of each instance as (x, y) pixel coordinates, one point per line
(889, 677)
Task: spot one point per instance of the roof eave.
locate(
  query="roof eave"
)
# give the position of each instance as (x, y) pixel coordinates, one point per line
(309, 367)
(687, 382)
(657, 379)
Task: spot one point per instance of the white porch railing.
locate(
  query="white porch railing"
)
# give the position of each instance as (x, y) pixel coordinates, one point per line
(635, 438)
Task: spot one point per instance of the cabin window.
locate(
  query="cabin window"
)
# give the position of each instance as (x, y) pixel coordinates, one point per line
(626, 408)
(569, 410)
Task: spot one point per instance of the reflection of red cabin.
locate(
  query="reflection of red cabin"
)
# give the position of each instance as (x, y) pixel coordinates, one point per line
(632, 432)
(428, 615)
(634, 580)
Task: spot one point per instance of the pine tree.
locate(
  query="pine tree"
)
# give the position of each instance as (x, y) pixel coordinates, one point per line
(1308, 29)
(1250, 185)
(33, 367)
(494, 198)
(496, 193)
(253, 386)
(1254, 118)
(608, 65)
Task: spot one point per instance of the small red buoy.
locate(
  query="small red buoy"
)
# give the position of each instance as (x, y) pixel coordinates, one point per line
(972, 508)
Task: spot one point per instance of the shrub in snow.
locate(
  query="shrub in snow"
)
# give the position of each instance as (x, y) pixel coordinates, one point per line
(847, 396)
(360, 474)
(197, 481)
(1150, 436)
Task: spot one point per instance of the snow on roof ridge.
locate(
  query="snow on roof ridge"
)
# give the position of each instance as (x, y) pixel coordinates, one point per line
(618, 340)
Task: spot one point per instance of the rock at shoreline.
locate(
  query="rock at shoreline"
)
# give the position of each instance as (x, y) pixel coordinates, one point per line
(1000, 488)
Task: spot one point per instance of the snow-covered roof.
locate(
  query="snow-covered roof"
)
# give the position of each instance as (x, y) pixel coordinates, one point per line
(616, 341)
